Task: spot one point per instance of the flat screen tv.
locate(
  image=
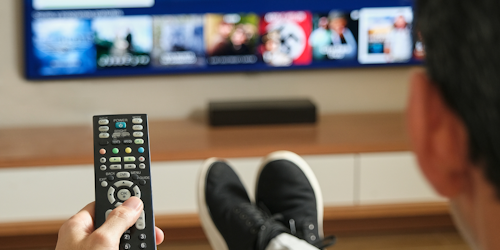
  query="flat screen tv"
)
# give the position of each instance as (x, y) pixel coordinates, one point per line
(96, 38)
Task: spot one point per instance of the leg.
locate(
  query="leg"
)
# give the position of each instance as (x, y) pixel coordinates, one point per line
(288, 189)
(228, 218)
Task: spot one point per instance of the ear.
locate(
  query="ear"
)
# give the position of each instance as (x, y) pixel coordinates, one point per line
(438, 137)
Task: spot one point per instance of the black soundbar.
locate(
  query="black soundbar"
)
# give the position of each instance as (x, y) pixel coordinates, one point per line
(231, 113)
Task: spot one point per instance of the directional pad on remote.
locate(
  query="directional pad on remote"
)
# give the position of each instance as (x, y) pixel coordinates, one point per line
(124, 184)
(124, 194)
(111, 195)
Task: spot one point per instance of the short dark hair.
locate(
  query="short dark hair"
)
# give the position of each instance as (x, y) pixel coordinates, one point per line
(462, 43)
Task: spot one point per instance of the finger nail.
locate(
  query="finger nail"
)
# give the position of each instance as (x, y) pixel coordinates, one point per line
(134, 203)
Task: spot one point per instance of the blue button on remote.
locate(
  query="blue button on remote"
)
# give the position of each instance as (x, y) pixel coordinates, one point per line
(140, 150)
(121, 125)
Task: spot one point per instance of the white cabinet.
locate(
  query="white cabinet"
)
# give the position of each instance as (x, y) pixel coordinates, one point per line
(392, 178)
(48, 193)
(174, 186)
(335, 174)
(45, 193)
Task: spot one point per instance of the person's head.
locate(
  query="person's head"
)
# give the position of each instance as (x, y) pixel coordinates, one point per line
(239, 36)
(225, 29)
(323, 22)
(400, 22)
(454, 111)
(338, 22)
(271, 41)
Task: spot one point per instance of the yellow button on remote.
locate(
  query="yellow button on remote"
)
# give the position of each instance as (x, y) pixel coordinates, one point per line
(128, 150)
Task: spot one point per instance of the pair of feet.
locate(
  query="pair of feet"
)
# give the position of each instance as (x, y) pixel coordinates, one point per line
(287, 200)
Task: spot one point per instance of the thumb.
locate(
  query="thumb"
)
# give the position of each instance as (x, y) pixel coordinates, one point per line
(121, 219)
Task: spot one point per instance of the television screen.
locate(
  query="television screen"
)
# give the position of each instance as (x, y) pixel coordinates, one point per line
(93, 38)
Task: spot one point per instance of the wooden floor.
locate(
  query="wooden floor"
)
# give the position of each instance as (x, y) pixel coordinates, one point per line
(435, 240)
(405, 241)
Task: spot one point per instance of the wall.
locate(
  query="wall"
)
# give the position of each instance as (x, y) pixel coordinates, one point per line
(26, 103)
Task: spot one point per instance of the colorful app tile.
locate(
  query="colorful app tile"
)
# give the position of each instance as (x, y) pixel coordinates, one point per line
(385, 35)
(63, 46)
(334, 36)
(124, 41)
(231, 38)
(285, 38)
(178, 41)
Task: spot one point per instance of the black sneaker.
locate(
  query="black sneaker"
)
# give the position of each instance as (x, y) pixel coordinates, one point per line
(229, 219)
(286, 185)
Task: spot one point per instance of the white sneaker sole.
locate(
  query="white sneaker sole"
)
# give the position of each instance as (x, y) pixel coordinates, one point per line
(214, 237)
(290, 156)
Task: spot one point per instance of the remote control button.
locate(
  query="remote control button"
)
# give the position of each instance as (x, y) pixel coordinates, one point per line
(102, 151)
(115, 159)
(124, 184)
(123, 175)
(115, 167)
(127, 141)
(104, 142)
(103, 167)
(104, 135)
(143, 245)
(130, 166)
(135, 177)
(142, 159)
(142, 166)
(141, 222)
(120, 125)
(140, 150)
(126, 237)
(142, 236)
(118, 204)
(107, 213)
(102, 160)
(110, 178)
(137, 127)
(104, 184)
(137, 192)
(139, 141)
(128, 150)
(111, 195)
(138, 134)
(104, 128)
(128, 159)
(116, 142)
(137, 120)
(127, 246)
(116, 151)
(142, 182)
(124, 194)
(103, 122)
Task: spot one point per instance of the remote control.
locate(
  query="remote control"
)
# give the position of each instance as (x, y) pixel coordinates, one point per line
(122, 170)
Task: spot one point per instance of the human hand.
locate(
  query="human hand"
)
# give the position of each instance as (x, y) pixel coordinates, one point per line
(78, 232)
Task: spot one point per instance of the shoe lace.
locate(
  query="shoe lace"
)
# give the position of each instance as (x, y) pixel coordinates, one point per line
(319, 243)
(260, 223)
